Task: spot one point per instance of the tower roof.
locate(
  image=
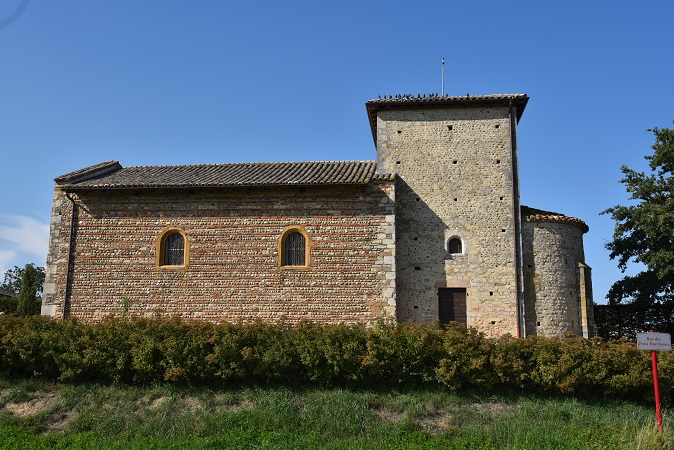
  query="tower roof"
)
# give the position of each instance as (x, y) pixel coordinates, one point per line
(435, 101)
(540, 215)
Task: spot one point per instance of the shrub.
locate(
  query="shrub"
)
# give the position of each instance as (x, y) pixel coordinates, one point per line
(466, 360)
(330, 355)
(26, 346)
(173, 351)
(513, 362)
(8, 304)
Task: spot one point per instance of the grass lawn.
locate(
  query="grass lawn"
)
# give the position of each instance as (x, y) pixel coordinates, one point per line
(54, 416)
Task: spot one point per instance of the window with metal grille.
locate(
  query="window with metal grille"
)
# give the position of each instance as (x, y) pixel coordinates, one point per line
(454, 246)
(294, 249)
(174, 250)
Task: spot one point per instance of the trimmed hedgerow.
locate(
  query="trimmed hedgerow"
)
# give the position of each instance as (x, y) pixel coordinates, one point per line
(173, 351)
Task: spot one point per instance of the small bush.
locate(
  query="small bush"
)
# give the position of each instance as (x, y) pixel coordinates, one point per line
(466, 361)
(513, 362)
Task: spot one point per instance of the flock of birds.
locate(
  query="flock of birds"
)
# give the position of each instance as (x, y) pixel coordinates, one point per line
(411, 96)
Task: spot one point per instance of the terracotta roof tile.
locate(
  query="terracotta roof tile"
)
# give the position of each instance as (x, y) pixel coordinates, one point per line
(539, 215)
(223, 175)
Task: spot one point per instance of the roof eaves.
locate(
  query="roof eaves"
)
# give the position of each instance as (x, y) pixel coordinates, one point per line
(88, 173)
(435, 101)
(539, 215)
(232, 175)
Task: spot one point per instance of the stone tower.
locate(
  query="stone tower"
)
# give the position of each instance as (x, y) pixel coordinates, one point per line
(458, 249)
(557, 282)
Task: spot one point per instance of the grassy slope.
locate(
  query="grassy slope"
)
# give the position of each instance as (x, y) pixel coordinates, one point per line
(39, 415)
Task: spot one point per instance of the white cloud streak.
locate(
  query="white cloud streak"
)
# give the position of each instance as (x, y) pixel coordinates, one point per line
(6, 257)
(23, 235)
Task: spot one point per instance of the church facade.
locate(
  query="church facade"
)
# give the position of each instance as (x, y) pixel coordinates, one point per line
(432, 230)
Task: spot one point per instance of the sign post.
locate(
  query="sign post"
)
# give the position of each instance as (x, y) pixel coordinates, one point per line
(655, 342)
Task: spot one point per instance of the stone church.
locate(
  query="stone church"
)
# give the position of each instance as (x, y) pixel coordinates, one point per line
(432, 230)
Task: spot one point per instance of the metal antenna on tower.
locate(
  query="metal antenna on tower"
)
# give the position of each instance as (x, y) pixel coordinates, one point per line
(443, 76)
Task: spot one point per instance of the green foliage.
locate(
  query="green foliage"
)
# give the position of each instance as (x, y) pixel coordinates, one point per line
(169, 350)
(625, 320)
(13, 279)
(172, 351)
(402, 354)
(643, 233)
(513, 362)
(27, 346)
(330, 355)
(649, 437)
(126, 306)
(8, 304)
(466, 360)
(32, 279)
(95, 416)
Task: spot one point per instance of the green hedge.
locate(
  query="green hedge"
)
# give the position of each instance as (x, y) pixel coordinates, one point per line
(150, 351)
(8, 304)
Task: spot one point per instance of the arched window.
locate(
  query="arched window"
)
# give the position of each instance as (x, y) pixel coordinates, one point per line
(172, 249)
(294, 248)
(454, 246)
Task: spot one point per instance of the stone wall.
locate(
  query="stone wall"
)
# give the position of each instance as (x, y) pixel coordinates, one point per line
(455, 173)
(553, 259)
(233, 272)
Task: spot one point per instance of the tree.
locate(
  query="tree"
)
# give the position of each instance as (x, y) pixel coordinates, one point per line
(32, 279)
(13, 278)
(644, 233)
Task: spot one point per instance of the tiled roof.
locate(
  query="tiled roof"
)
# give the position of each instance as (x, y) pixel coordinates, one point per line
(539, 215)
(7, 293)
(435, 101)
(89, 172)
(224, 175)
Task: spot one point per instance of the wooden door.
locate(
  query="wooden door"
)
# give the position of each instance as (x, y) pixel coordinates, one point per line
(452, 305)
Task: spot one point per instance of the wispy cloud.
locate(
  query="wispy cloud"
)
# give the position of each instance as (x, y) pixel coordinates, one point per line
(21, 234)
(6, 257)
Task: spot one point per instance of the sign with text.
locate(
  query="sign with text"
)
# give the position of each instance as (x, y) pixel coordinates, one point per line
(654, 342)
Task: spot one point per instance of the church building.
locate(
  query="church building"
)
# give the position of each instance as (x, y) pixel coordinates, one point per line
(432, 230)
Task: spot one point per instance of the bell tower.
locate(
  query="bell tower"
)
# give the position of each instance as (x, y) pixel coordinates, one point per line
(458, 249)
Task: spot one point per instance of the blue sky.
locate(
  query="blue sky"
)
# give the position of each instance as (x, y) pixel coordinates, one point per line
(177, 82)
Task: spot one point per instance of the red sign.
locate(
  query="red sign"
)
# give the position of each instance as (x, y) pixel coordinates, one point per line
(655, 342)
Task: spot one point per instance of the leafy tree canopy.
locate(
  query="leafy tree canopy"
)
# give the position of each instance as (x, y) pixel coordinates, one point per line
(644, 231)
(28, 303)
(13, 278)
